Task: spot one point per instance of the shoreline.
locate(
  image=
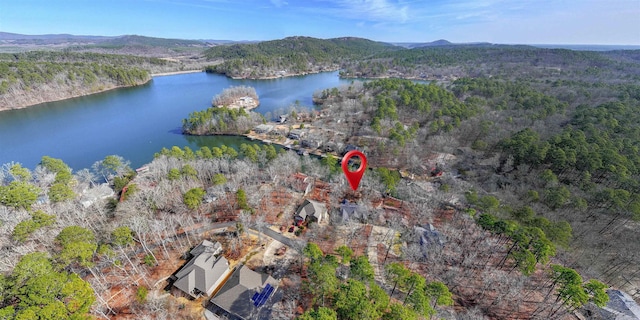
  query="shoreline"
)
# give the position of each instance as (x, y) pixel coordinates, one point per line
(154, 75)
(278, 76)
(163, 74)
(78, 95)
(18, 107)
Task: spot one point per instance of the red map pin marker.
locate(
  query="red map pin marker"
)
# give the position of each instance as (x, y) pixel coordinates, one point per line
(354, 177)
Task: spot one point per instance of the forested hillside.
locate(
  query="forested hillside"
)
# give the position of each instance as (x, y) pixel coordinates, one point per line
(40, 76)
(291, 56)
(509, 188)
(361, 58)
(451, 62)
(558, 156)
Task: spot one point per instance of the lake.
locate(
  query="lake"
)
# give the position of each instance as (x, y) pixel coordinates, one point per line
(137, 122)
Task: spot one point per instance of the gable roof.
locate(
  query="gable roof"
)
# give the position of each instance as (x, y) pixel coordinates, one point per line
(348, 210)
(311, 208)
(429, 235)
(235, 296)
(199, 274)
(621, 306)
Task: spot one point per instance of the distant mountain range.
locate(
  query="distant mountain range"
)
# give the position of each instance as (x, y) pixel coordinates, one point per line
(7, 38)
(124, 40)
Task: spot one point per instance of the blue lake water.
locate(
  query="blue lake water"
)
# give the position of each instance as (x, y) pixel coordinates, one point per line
(137, 122)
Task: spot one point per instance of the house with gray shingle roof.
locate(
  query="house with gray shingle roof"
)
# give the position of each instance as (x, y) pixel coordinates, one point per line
(206, 270)
(310, 211)
(621, 306)
(244, 294)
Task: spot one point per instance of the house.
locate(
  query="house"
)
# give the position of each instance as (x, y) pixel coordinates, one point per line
(89, 196)
(213, 193)
(621, 306)
(348, 148)
(349, 210)
(311, 143)
(310, 211)
(429, 235)
(243, 295)
(296, 134)
(263, 128)
(283, 118)
(206, 270)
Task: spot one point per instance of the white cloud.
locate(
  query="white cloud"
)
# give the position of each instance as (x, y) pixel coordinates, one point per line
(365, 10)
(279, 3)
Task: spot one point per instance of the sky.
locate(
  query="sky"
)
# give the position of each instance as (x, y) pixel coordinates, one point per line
(607, 22)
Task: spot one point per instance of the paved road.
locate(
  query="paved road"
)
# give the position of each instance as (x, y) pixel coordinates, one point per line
(292, 243)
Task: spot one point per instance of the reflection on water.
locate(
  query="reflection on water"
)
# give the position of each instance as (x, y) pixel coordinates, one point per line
(137, 122)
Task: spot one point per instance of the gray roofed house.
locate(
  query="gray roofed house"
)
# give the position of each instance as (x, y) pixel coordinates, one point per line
(204, 272)
(311, 143)
(235, 297)
(621, 306)
(263, 128)
(296, 134)
(311, 210)
(349, 210)
(429, 235)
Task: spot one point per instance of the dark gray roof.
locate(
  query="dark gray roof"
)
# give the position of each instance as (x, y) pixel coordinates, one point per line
(429, 235)
(202, 271)
(235, 296)
(349, 210)
(311, 208)
(621, 306)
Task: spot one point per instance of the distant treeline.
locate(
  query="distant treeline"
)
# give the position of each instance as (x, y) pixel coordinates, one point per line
(230, 95)
(364, 58)
(292, 55)
(41, 76)
(215, 120)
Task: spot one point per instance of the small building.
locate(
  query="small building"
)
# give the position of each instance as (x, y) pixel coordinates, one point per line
(296, 134)
(429, 236)
(206, 270)
(244, 295)
(348, 148)
(282, 118)
(89, 196)
(311, 143)
(310, 211)
(263, 128)
(212, 194)
(349, 210)
(621, 306)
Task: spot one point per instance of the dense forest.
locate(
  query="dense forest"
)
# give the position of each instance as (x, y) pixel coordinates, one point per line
(290, 56)
(361, 58)
(220, 120)
(535, 216)
(36, 77)
(560, 157)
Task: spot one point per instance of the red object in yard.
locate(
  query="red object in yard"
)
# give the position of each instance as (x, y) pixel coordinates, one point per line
(124, 190)
(291, 229)
(436, 171)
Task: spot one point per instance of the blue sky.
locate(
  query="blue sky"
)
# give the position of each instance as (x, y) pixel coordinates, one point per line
(497, 21)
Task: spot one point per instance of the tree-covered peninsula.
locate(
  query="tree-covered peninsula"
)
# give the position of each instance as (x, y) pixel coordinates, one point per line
(291, 56)
(41, 76)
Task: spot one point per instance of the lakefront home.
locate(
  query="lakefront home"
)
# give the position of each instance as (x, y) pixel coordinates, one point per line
(246, 295)
(204, 272)
(310, 211)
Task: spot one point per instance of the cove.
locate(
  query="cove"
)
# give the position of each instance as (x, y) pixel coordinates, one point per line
(137, 122)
